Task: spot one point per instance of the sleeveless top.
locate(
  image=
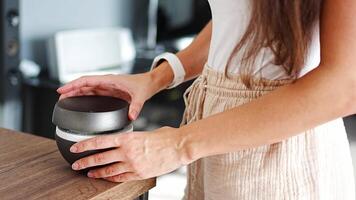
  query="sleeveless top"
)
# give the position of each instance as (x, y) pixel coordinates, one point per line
(230, 19)
(315, 164)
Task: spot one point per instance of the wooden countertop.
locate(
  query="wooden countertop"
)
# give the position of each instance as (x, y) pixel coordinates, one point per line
(32, 168)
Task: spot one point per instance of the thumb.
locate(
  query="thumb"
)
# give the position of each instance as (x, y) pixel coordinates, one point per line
(135, 108)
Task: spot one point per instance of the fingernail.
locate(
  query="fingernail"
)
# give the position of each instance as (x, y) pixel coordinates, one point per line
(75, 166)
(73, 149)
(134, 114)
(90, 174)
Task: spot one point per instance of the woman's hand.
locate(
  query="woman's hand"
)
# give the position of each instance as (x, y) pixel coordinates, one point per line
(136, 156)
(135, 89)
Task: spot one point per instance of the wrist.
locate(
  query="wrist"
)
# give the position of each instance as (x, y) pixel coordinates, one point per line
(160, 77)
(187, 150)
(175, 67)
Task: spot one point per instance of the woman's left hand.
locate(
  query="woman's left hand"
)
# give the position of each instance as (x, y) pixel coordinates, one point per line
(135, 156)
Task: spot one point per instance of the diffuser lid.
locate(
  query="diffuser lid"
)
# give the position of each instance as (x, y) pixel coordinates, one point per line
(91, 114)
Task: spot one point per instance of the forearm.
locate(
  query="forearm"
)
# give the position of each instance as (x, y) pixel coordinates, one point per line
(324, 94)
(193, 59)
(195, 55)
(321, 96)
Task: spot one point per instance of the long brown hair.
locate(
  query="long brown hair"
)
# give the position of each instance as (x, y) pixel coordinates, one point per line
(284, 26)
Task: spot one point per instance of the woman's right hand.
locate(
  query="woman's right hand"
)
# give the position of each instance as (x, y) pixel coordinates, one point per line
(135, 89)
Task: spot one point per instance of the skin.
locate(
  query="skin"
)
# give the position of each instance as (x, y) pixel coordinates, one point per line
(324, 94)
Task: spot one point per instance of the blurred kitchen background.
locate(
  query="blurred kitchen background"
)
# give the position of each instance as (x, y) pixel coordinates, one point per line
(46, 43)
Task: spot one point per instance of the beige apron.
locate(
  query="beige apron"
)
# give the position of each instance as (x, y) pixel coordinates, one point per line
(315, 164)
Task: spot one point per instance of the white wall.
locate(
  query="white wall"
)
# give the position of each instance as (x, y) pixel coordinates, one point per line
(41, 18)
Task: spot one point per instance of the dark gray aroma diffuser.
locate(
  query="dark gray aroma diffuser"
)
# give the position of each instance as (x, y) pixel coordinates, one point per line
(85, 117)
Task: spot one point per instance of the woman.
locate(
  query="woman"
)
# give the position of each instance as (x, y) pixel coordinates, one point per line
(263, 117)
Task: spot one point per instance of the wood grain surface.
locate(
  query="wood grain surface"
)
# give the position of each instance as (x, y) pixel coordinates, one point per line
(32, 168)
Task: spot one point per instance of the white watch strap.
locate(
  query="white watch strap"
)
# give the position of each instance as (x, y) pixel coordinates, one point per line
(175, 64)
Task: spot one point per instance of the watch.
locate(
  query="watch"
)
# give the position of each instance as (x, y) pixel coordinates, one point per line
(175, 64)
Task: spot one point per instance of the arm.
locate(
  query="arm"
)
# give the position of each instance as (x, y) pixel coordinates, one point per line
(193, 59)
(326, 93)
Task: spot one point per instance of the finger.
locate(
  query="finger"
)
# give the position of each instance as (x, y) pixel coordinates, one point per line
(98, 159)
(100, 142)
(86, 81)
(125, 177)
(135, 108)
(67, 87)
(73, 85)
(108, 91)
(86, 91)
(100, 89)
(111, 170)
(70, 94)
